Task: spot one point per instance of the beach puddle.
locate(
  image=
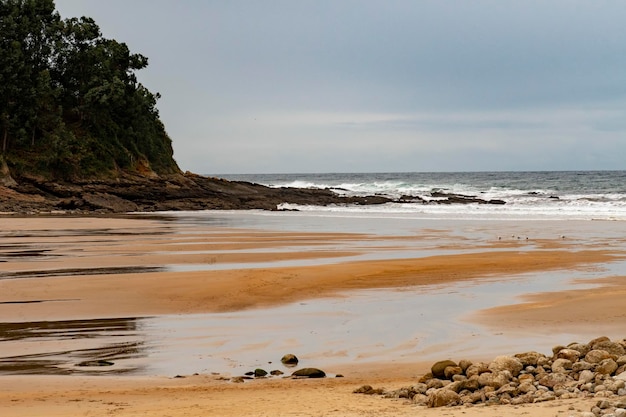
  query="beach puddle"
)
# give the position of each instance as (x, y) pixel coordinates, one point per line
(80, 271)
(102, 346)
(399, 325)
(384, 325)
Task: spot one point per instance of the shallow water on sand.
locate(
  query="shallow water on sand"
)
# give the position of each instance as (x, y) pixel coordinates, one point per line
(399, 325)
(366, 326)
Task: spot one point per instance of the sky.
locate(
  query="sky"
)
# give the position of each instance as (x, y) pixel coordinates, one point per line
(312, 86)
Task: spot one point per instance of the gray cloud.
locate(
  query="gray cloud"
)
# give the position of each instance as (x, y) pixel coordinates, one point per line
(282, 86)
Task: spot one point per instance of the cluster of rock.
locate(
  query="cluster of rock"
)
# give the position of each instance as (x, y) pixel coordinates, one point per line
(289, 360)
(580, 370)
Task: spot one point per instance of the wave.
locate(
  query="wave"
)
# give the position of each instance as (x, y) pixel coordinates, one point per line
(568, 195)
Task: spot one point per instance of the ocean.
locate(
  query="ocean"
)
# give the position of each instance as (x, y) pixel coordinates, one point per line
(549, 195)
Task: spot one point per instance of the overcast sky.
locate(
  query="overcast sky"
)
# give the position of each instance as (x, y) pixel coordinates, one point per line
(379, 86)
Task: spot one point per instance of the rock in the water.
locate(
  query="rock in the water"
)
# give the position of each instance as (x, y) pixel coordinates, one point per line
(289, 359)
(260, 373)
(309, 373)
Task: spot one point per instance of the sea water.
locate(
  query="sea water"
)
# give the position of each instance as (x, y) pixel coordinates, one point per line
(584, 195)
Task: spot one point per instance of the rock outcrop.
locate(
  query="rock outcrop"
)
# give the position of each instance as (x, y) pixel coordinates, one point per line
(593, 370)
(175, 192)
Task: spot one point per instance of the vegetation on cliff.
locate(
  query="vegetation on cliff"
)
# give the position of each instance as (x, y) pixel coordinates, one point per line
(70, 103)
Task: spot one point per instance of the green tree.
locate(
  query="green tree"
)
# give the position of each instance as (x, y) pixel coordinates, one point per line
(70, 101)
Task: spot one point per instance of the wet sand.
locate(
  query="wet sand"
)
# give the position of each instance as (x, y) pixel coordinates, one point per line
(95, 279)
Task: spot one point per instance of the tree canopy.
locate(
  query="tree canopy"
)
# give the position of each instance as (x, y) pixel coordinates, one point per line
(70, 102)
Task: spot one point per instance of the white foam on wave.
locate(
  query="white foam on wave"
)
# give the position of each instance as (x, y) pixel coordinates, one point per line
(473, 211)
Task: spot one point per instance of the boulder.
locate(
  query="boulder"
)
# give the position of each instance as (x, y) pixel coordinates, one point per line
(289, 359)
(571, 355)
(562, 366)
(438, 368)
(506, 363)
(476, 369)
(443, 397)
(434, 383)
(606, 367)
(309, 373)
(586, 376)
(526, 378)
(582, 366)
(597, 340)
(494, 380)
(451, 371)
(260, 373)
(469, 385)
(551, 380)
(464, 364)
(526, 387)
(529, 358)
(368, 390)
(597, 356)
(610, 347)
(581, 348)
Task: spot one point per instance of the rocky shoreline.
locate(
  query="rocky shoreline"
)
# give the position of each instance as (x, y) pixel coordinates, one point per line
(579, 370)
(189, 192)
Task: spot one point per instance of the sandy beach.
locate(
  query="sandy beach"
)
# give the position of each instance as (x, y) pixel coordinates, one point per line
(60, 269)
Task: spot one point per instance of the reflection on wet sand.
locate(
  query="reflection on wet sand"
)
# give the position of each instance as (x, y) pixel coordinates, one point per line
(102, 346)
(345, 324)
(79, 271)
